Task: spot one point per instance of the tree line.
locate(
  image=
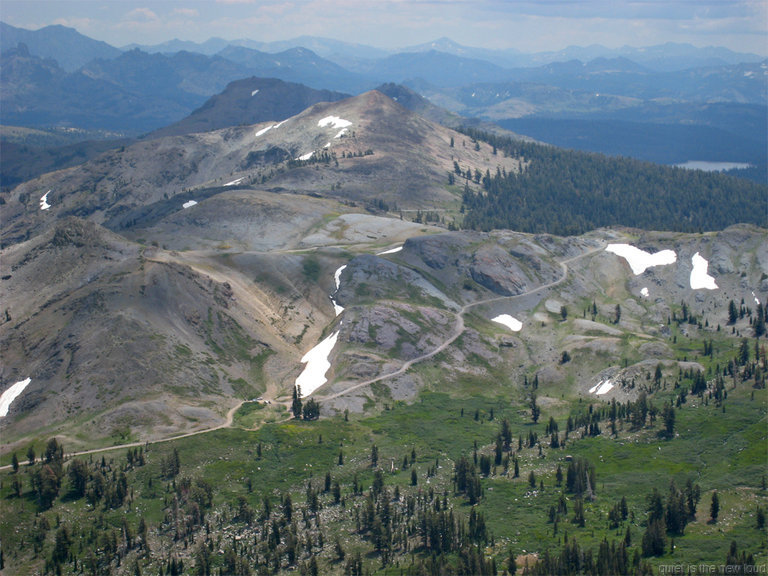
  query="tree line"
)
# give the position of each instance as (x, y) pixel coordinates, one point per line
(568, 192)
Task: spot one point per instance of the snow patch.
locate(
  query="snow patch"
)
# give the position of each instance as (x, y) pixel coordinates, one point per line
(602, 387)
(644, 293)
(306, 156)
(317, 365)
(189, 204)
(11, 394)
(699, 277)
(255, 92)
(327, 145)
(235, 181)
(336, 308)
(510, 322)
(337, 275)
(265, 130)
(341, 133)
(44, 201)
(640, 260)
(334, 122)
(337, 278)
(757, 300)
(392, 251)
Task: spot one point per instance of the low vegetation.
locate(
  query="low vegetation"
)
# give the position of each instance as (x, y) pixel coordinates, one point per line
(448, 484)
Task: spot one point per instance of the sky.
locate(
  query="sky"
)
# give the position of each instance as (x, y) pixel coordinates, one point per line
(524, 25)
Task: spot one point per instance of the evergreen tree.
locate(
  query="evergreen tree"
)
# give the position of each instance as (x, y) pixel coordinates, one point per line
(296, 405)
(668, 415)
(714, 508)
(733, 312)
(654, 540)
(535, 411)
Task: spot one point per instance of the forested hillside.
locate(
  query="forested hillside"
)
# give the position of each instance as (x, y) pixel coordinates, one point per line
(568, 192)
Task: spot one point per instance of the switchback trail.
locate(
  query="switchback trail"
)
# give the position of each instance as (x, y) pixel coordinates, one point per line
(459, 328)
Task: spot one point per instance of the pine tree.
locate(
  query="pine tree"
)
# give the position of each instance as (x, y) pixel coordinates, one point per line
(714, 508)
(535, 411)
(668, 414)
(296, 404)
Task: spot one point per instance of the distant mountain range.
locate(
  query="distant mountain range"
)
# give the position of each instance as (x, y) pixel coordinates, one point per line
(56, 77)
(66, 45)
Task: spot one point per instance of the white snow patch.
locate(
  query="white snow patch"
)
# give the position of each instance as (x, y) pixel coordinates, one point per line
(757, 300)
(337, 279)
(189, 204)
(392, 251)
(699, 276)
(279, 124)
(337, 275)
(640, 260)
(341, 133)
(327, 145)
(11, 394)
(644, 292)
(336, 308)
(255, 92)
(602, 387)
(512, 323)
(44, 201)
(334, 122)
(317, 365)
(306, 156)
(235, 181)
(265, 130)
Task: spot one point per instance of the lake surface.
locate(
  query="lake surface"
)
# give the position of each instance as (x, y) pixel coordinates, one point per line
(713, 166)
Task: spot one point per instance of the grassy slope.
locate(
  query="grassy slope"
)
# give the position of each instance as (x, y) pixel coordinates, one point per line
(723, 451)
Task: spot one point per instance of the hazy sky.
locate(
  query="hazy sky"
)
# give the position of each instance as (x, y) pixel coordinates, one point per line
(529, 26)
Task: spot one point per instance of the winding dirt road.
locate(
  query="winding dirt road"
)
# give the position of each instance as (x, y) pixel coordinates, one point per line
(459, 328)
(457, 331)
(226, 424)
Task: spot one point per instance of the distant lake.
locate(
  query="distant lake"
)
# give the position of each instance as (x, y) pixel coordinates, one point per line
(713, 166)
